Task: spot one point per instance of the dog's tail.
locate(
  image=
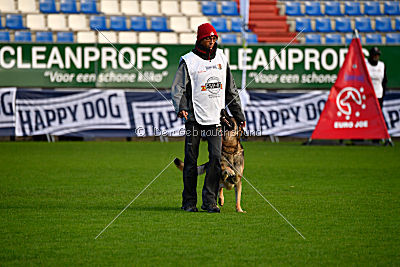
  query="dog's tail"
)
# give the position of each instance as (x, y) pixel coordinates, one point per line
(200, 169)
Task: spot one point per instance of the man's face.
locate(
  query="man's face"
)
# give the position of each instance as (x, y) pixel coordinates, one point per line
(209, 42)
(375, 58)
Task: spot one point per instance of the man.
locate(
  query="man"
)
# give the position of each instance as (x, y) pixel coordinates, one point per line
(202, 86)
(377, 72)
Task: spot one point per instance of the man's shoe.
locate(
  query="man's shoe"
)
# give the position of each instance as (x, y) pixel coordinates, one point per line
(190, 209)
(211, 209)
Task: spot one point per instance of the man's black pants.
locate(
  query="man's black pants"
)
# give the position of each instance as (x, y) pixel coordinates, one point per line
(194, 132)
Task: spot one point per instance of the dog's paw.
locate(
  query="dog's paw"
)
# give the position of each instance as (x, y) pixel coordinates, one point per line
(221, 201)
(240, 210)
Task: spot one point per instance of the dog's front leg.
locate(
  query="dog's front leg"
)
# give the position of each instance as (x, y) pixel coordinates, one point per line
(221, 196)
(238, 194)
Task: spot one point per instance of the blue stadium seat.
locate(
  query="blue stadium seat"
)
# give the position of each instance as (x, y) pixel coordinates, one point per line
(313, 39)
(393, 38)
(333, 9)
(230, 8)
(383, 24)
(228, 38)
(47, 6)
(397, 24)
(65, 37)
(392, 8)
(333, 39)
(118, 23)
(323, 25)
(352, 8)
(4, 36)
(14, 21)
(313, 9)
(98, 23)
(348, 38)
(293, 9)
(1, 25)
(22, 36)
(209, 8)
(372, 8)
(159, 24)
(363, 24)
(236, 24)
(251, 38)
(138, 24)
(373, 38)
(68, 6)
(44, 37)
(89, 7)
(303, 24)
(343, 25)
(219, 24)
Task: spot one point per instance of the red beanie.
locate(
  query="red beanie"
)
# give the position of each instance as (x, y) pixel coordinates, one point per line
(205, 30)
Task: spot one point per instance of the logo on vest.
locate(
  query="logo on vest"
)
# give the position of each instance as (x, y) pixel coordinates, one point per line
(213, 85)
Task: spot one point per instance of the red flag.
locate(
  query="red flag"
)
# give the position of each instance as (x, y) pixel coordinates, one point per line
(352, 109)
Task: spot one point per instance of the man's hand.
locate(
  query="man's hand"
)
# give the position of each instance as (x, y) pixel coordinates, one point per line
(183, 114)
(242, 124)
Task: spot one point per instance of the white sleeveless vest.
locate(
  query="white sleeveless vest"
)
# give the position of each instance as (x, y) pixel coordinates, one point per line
(208, 80)
(377, 73)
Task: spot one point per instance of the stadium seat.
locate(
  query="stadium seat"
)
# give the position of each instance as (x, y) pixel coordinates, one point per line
(86, 37)
(22, 36)
(313, 39)
(187, 38)
(129, 7)
(190, 8)
(47, 6)
(88, 7)
(229, 38)
(168, 38)
(170, 8)
(348, 38)
(333, 39)
(118, 23)
(179, 24)
(323, 25)
(127, 38)
(44, 37)
(313, 9)
(78, 22)
(392, 8)
(363, 24)
(159, 24)
(333, 9)
(7, 6)
(148, 38)
(98, 23)
(303, 24)
(57, 22)
(36, 22)
(251, 38)
(352, 8)
(107, 37)
(27, 6)
(393, 38)
(397, 24)
(138, 24)
(196, 21)
(4, 37)
(373, 38)
(293, 9)
(109, 7)
(219, 24)
(209, 8)
(65, 37)
(68, 6)
(383, 24)
(229, 8)
(236, 24)
(14, 21)
(372, 8)
(150, 8)
(343, 25)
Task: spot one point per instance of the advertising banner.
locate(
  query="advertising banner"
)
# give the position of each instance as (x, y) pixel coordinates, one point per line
(154, 66)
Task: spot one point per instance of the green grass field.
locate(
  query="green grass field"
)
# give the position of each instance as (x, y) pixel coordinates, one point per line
(56, 198)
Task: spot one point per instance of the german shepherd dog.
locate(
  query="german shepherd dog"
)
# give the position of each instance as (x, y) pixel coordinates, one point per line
(232, 159)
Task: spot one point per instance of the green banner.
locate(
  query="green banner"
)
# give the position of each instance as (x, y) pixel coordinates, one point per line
(148, 66)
